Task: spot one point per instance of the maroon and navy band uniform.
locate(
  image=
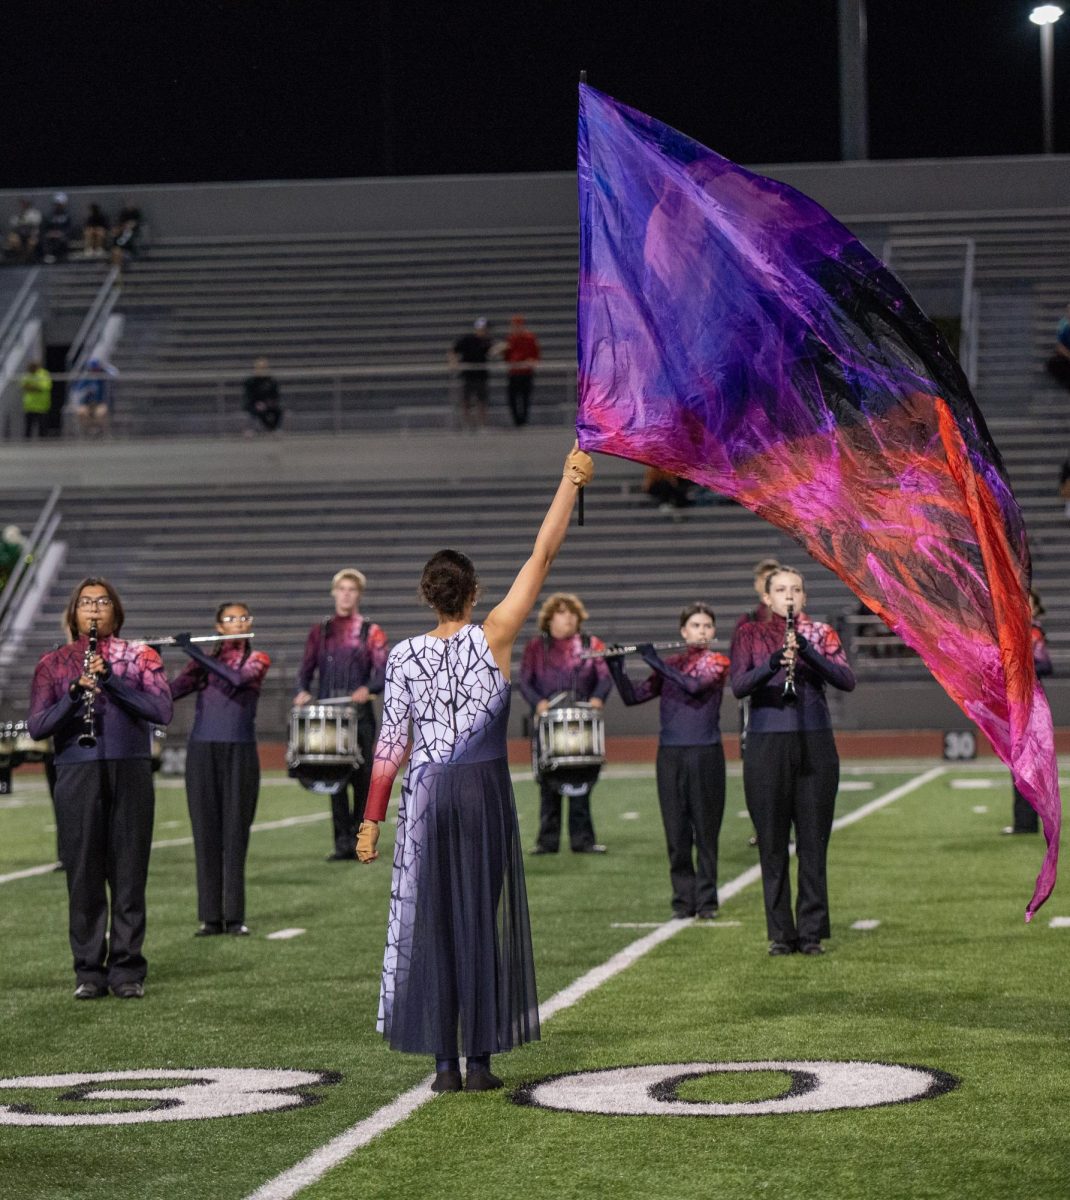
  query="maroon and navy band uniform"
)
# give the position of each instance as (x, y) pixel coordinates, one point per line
(690, 764)
(791, 769)
(222, 771)
(1025, 815)
(549, 666)
(343, 654)
(103, 797)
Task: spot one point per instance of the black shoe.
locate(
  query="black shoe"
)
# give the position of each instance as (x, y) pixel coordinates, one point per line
(811, 948)
(447, 1081)
(209, 929)
(707, 914)
(542, 850)
(479, 1079)
(678, 914)
(90, 991)
(341, 856)
(133, 989)
(593, 848)
(237, 929)
(777, 949)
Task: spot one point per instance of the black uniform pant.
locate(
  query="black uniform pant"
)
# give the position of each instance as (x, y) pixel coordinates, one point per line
(519, 396)
(222, 787)
(790, 779)
(104, 811)
(36, 422)
(577, 787)
(1025, 815)
(347, 814)
(691, 796)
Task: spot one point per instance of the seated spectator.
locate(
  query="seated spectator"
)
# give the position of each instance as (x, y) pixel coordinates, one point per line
(24, 231)
(670, 491)
(94, 232)
(262, 401)
(36, 399)
(126, 236)
(1059, 363)
(56, 237)
(93, 399)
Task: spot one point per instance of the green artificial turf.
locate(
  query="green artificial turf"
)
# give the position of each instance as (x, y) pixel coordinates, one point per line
(951, 979)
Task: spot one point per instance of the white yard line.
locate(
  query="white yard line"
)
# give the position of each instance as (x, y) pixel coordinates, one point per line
(338, 1149)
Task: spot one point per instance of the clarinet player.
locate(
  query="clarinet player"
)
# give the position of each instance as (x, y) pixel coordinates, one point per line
(99, 703)
(791, 770)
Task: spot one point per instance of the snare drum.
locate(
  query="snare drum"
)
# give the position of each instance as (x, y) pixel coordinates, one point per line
(29, 749)
(323, 752)
(567, 738)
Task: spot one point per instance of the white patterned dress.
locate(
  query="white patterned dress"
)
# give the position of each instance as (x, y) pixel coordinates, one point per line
(458, 975)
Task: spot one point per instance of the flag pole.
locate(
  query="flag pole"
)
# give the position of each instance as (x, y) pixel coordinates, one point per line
(579, 499)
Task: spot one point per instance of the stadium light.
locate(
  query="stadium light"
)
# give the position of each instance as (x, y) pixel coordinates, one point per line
(1044, 17)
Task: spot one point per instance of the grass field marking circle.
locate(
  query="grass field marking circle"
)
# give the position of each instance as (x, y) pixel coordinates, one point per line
(651, 1091)
(196, 1095)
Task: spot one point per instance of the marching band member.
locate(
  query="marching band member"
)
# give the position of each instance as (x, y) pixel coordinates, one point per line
(690, 764)
(99, 706)
(552, 665)
(222, 765)
(791, 770)
(458, 974)
(760, 612)
(1025, 815)
(347, 656)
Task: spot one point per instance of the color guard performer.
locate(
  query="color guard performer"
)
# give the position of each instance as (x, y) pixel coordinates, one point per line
(690, 764)
(552, 665)
(791, 770)
(98, 698)
(347, 655)
(222, 765)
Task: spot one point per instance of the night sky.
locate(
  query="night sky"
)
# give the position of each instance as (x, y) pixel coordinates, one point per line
(115, 92)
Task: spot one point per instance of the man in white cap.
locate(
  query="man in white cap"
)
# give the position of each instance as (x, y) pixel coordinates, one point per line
(57, 235)
(474, 347)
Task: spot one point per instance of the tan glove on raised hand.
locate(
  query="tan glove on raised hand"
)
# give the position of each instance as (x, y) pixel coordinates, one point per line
(367, 840)
(579, 469)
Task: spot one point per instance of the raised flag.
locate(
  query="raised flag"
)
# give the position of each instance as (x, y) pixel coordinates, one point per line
(731, 331)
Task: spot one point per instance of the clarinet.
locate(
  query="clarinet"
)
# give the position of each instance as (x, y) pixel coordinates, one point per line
(88, 737)
(789, 692)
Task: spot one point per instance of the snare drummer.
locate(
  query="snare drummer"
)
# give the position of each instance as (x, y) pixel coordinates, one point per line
(552, 665)
(690, 766)
(346, 654)
(222, 766)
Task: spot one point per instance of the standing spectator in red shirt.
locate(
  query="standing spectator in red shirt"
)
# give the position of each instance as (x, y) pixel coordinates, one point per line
(521, 353)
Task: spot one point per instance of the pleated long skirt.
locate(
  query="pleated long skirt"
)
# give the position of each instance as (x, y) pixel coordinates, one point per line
(458, 972)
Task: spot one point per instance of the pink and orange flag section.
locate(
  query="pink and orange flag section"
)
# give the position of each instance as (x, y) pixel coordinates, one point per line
(731, 331)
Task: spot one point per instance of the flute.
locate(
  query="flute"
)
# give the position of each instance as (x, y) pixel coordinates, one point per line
(616, 651)
(171, 640)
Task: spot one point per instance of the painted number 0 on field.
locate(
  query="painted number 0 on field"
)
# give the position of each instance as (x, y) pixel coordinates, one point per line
(193, 1096)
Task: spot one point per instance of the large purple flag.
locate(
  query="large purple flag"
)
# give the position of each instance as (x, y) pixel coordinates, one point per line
(733, 332)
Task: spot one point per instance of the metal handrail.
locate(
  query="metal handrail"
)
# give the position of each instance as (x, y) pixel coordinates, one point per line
(40, 537)
(99, 311)
(13, 321)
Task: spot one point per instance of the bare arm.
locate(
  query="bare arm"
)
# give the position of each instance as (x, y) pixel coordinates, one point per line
(505, 621)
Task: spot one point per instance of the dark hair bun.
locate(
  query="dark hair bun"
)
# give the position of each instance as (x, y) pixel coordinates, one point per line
(449, 583)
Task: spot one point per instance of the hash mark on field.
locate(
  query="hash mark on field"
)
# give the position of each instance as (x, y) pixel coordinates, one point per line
(866, 923)
(855, 785)
(979, 808)
(742, 813)
(1060, 922)
(635, 924)
(283, 935)
(13, 803)
(629, 816)
(967, 785)
(315, 1165)
(715, 924)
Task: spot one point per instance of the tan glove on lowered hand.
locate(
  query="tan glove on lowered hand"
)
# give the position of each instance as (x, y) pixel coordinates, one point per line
(579, 469)
(367, 840)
